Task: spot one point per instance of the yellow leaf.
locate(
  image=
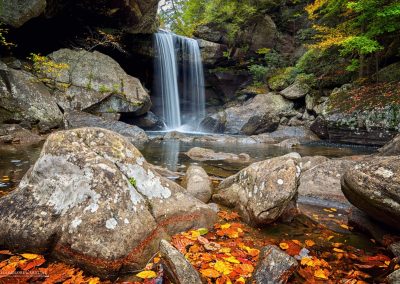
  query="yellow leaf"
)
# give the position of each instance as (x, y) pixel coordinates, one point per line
(309, 243)
(284, 246)
(331, 215)
(330, 238)
(225, 250)
(306, 261)
(147, 274)
(241, 279)
(30, 256)
(232, 259)
(223, 267)
(225, 226)
(333, 209)
(95, 280)
(321, 274)
(327, 210)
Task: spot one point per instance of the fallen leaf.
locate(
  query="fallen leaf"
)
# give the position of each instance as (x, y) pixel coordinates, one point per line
(30, 255)
(309, 243)
(284, 246)
(321, 274)
(147, 274)
(210, 273)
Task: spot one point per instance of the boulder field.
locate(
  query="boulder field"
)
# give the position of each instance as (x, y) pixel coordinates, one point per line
(93, 200)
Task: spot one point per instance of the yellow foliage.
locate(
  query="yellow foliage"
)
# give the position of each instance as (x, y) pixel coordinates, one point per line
(147, 274)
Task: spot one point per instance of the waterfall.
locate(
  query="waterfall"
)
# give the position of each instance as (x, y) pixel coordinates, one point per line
(167, 79)
(179, 81)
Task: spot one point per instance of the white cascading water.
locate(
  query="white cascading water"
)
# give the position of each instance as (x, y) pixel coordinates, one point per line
(179, 85)
(167, 79)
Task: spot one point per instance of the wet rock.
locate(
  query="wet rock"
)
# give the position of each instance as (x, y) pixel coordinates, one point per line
(77, 119)
(262, 191)
(394, 277)
(25, 99)
(197, 183)
(289, 143)
(15, 134)
(203, 154)
(392, 148)
(148, 121)
(95, 82)
(92, 200)
(302, 133)
(322, 182)
(373, 186)
(275, 266)
(257, 115)
(179, 270)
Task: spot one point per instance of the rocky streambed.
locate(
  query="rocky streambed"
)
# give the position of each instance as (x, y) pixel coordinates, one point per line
(91, 199)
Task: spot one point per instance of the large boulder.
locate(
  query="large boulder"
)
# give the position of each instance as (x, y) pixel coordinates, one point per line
(92, 200)
(257, 115)
(261, 33)
(95, 82)
(197, 183)
(263, 191)
(25, 99)
(392, 148)
(295, 91)
(76, 119)
(203, 154)
(211, 53)
(374, 187)
(17, 12)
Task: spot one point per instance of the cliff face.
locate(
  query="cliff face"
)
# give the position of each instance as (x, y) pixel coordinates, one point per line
(135, 16)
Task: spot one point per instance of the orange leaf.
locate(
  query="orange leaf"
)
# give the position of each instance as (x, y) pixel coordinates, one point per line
(210, 273)
(284, 246)
(309, 243)
(321, 274)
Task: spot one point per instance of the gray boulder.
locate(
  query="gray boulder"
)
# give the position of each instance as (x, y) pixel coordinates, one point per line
(179, 270)
(197, 183)
(257, 115)
(211, 52)
(262, 33)
(373, 186)
(392, 148)
(95, 82)
(263, 191)
(77, 119)
(275, 266)
(92, 200)
(17, 12)
(295, 91)
(23, 98)
(288, 143)
(394, 277)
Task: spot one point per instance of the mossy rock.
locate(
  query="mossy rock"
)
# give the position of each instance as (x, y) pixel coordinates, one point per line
(283, 78)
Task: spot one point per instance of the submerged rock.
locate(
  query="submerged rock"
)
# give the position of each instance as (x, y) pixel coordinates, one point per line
(289, 143)
(92, 200)
(263, 191)
(95, 82)
(197, 183)
(179, 270)
(23, 98)
(373, 186)
(14, 133)
(203, 154)
(275, 266)
(77, 119)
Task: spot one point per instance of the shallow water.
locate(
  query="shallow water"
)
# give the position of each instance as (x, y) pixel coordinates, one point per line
(171, 153)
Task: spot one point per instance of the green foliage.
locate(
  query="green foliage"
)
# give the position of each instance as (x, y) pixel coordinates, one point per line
(132, 181)
(259, 73)
(3, 41)
(282, 78)
(355, 26)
